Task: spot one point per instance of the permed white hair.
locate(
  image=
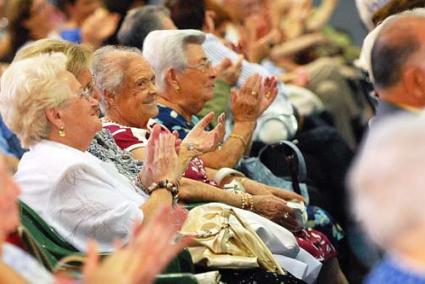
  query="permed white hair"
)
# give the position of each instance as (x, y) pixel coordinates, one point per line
(108, 67)
(165, 49)
(28, 88)
(387, 181)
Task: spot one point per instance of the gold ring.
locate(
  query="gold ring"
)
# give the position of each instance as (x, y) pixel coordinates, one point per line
(267, 95)
(253, 93)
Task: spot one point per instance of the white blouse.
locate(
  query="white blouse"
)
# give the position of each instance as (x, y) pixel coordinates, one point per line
(79, 195)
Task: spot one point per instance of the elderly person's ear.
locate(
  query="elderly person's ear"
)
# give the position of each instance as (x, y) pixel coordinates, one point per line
(54, 116)
(171, 79)
(414, 83)
(108, 97)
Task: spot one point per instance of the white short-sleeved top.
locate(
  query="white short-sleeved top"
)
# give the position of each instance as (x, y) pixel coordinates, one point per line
(79, 195)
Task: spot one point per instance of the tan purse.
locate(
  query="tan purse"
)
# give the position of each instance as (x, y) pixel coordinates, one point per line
(224, 240)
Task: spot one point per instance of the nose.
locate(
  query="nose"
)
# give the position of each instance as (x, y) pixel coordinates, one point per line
(153, 90)
(96, 93)
(212, 73)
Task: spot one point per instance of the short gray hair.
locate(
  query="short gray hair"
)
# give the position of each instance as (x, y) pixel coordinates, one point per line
(369, 47)
(166, 49)
(387, 180)
(28, 88)
(109, 66)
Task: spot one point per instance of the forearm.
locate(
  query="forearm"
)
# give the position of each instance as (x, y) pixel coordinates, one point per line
(321, 16)
(196, 191)
(251, 186)
(233, 149)
(158, 198)
(294, 46)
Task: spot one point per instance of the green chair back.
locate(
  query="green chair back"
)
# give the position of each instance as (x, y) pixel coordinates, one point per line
(49, 248)
(42, 240)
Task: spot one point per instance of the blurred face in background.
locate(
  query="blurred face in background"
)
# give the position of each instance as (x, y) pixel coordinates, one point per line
(40, 21)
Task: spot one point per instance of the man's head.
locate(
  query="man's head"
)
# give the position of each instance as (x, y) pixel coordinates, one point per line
(139, 22)
(398, 60)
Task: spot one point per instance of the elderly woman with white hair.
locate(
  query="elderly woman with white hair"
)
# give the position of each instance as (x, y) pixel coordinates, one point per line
(77, 194)
(387, 186)
(128, 107)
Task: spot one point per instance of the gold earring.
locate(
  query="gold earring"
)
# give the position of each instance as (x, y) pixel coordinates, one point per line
(62, 131)
(178, 89)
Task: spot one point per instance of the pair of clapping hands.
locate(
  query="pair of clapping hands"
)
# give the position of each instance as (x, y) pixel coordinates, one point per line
(167, 156)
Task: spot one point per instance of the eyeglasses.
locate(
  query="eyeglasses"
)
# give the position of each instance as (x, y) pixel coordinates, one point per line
(87, 92)
(203, 66)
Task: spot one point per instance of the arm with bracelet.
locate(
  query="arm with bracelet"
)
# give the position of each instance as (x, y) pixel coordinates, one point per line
(245, 106)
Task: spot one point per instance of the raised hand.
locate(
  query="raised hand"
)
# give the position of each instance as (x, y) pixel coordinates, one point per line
(161, 160)
(99, 26)
(229, 72)
(199, 141)
(268, 93)
(245, 105)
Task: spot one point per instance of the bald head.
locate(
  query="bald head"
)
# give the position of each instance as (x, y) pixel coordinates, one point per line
(400, 43)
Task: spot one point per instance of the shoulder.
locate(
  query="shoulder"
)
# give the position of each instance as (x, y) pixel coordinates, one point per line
(388, 272)
(128, 138)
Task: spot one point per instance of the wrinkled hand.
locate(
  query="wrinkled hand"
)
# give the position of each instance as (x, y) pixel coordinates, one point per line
(99, 26)
(275, 209)
(229, 72)
(259, 47)
(161, 160)
(245, 105)
(147, 254)
(9, 192)
(203, 141)
(268, 92)
(286, 195)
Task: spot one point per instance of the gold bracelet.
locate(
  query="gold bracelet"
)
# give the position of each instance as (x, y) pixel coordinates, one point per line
(243, 199)
(250, 201)
(240, 138)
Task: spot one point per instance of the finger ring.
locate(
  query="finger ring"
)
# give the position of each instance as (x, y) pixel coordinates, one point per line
(190, 147)
(253, 93)
(286, 215)
(219, 146)
(267, 95)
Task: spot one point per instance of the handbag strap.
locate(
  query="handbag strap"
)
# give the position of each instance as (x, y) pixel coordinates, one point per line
(295, 161)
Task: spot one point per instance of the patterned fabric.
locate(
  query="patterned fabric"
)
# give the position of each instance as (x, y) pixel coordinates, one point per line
(130, 138)
(175, 121)
(104, 148)
(391, 272)
(316, 243)
(321, 221)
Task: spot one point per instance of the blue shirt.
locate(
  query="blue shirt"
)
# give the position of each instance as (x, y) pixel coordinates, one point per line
(9, 143)
(389, 272)
(175, 121)
(72, 35)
